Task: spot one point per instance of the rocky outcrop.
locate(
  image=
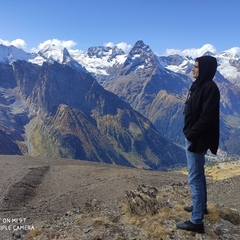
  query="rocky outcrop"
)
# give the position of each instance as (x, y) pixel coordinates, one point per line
(143, 200)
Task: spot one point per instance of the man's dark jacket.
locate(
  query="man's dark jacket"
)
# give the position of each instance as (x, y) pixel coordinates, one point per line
(201, 119)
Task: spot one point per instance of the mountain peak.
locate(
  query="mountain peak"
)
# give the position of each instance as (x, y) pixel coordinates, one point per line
(208, 53)
(141, 47)
(101, 51)
(140, 57)
(9, 54)
(52, 53)
(66, 56)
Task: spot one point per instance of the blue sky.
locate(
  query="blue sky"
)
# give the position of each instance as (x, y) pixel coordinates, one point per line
(161, 24)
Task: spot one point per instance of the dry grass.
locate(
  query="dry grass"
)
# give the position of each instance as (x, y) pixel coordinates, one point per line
(221, 170)
(157, 226)
(48, 234)
(33, 233)
(155, 231)
(214, 215)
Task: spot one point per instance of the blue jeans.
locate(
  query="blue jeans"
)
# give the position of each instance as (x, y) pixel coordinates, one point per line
(197, 183)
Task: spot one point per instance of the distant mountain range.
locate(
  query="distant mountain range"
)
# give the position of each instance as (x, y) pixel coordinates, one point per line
(106, 105)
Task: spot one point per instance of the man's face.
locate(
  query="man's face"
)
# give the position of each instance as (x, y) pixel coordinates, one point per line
(195, 70)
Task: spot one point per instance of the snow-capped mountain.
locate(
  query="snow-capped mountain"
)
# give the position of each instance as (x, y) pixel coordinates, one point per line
(177, 63)
(51, 53)
(97, 60)
(156, 86)
(140, 57)
(229, 66)
(10, 54)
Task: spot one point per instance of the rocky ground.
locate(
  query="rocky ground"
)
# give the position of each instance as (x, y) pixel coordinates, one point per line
(68, 199)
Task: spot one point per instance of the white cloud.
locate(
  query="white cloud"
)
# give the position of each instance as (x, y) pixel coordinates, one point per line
(4, 42)
(109, 44)
(60, 44)
(19, 43)
(192, 52)
(122, 45)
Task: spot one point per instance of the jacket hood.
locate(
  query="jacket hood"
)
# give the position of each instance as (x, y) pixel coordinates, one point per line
(207, 68)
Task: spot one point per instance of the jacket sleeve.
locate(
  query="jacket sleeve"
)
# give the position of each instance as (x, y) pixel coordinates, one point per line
(209, 112)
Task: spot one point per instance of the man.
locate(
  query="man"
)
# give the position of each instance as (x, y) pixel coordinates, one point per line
(201, 130)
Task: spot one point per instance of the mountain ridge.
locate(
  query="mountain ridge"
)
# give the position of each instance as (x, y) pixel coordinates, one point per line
(156, 86)
(63, 112)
